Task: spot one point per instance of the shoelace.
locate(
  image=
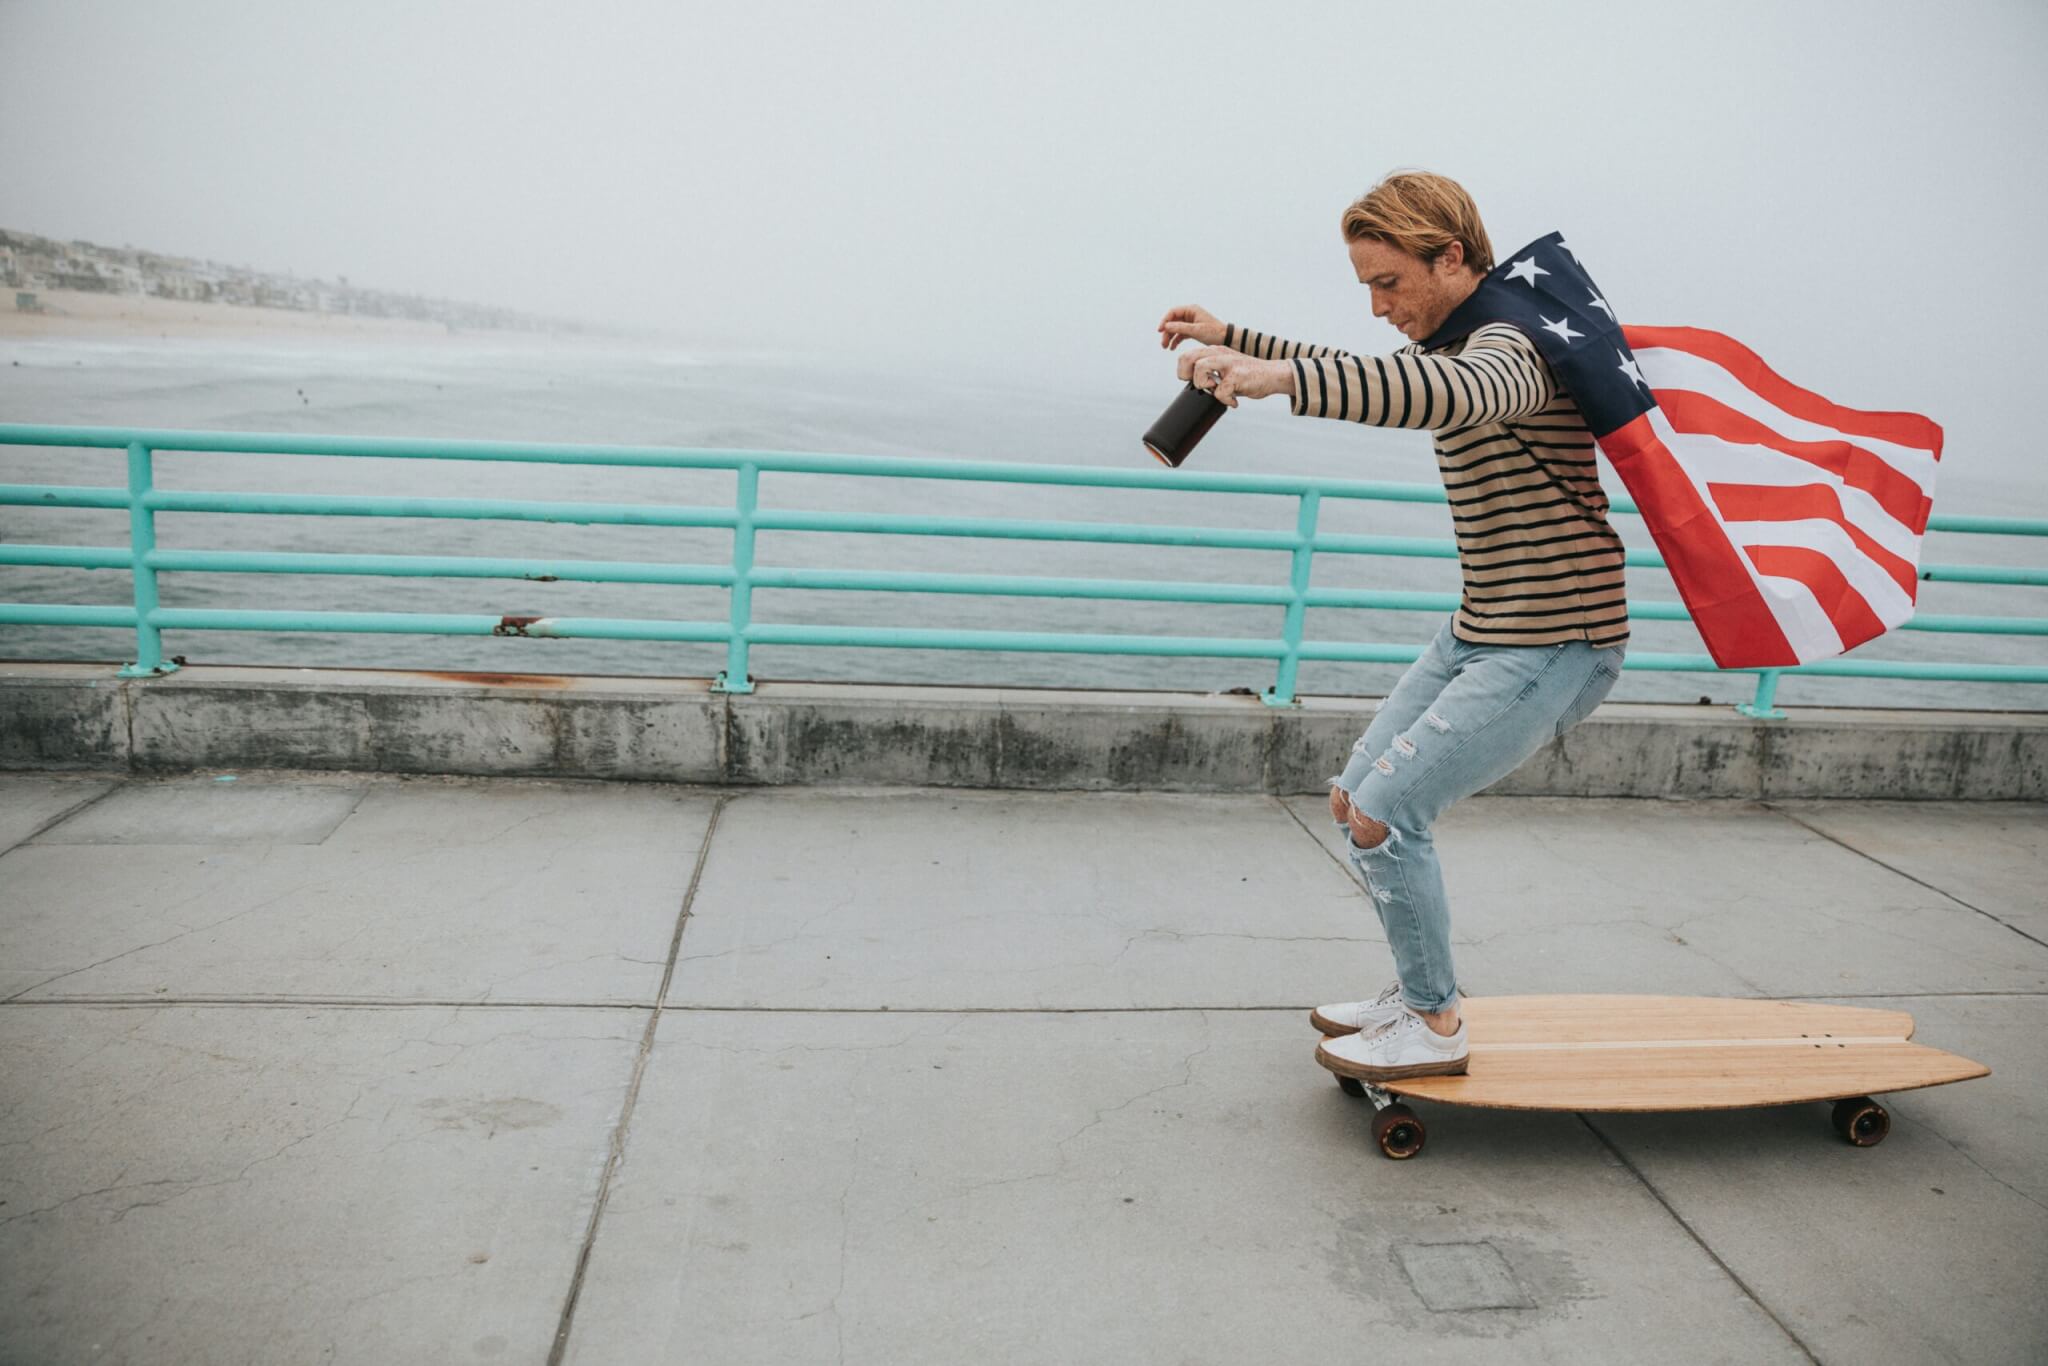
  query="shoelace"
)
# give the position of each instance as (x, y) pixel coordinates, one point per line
(1390, 994)
(1405, 1020)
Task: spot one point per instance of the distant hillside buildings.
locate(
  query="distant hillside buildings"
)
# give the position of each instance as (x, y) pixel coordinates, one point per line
(29, 263)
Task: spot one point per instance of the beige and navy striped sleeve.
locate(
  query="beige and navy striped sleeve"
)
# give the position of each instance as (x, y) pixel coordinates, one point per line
(1266, 346)
(1498, 376)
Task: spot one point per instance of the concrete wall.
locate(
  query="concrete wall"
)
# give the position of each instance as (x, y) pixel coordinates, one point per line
(82, 716)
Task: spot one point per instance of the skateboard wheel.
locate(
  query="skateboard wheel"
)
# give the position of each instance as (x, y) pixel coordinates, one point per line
(1862, 1121)
(1352, 1086)
(1398, 1132)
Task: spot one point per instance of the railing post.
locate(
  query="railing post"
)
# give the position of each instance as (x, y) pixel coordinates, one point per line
(735, 678)
(149, 644)
(1760, 707)
(1282, 692)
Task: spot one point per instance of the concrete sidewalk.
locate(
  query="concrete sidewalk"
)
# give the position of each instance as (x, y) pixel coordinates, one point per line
(348, 1069)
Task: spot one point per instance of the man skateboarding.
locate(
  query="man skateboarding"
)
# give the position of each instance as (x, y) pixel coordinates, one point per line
(1537, 640)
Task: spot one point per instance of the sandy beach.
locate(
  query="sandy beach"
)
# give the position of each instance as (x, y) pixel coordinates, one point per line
(81, 315)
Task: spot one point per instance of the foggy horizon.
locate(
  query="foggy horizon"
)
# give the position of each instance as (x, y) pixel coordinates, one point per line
(956, 195)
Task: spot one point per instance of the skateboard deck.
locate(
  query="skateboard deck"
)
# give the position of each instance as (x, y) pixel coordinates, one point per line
(1643, 1053)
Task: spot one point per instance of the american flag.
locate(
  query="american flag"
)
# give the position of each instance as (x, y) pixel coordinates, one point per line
(1791, 525)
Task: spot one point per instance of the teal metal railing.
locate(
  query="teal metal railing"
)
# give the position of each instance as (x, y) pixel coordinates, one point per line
(742, 574)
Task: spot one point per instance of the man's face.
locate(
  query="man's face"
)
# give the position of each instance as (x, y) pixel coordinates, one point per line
(1413, 294)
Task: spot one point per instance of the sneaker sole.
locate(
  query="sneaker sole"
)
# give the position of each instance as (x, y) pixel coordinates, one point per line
(1329, 1027)
(1359, 1071)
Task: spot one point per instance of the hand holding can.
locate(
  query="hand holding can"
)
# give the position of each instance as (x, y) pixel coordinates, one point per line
(1184, 423)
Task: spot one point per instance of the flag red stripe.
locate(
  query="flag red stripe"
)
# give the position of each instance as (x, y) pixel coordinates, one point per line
(1905, 429)
(1779, 503)
(1733, 619)
(1854, 466)
(1846, 608)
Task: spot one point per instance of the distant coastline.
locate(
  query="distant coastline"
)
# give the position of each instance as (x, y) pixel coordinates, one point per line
(80, 289)
(82, 316)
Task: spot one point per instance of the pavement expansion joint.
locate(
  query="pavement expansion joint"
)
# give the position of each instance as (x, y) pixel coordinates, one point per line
(616, 1155)
(1747, 1290)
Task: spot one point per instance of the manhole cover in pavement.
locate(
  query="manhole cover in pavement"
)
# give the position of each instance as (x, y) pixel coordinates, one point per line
(1449, 1276)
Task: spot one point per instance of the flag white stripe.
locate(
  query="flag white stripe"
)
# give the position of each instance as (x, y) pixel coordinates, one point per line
(1712, 459)
(1804, 621)
(1669, 368)
(1865, 575)
(1799, 616)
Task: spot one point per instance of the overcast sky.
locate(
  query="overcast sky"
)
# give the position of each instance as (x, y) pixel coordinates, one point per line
(1854, 190)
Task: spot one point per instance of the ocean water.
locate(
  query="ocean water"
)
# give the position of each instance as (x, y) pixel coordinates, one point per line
(647, 396)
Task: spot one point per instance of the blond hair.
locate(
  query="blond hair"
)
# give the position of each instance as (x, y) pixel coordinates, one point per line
(1422, 214)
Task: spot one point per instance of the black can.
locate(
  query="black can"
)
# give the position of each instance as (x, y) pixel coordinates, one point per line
(1184, 423)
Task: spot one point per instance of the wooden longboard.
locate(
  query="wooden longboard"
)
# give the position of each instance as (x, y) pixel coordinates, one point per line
(1639, 1053)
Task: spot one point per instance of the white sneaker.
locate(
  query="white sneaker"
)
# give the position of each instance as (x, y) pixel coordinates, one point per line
(1404, 1047)
(1353, 1016)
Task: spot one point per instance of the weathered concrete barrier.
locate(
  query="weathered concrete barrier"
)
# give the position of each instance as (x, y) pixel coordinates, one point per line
(83, 716)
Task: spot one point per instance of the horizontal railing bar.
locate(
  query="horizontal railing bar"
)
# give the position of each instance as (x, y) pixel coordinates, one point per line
(1424, 547)
(460, 509)
(1981, 526)
(1991, 526)
(1018, 529)
(717, 576)
(603, 628)
(1982, 573)
(654, 514)
(388, 566)
(1148, 590)
(1969, 625)
(63, 614)
(69, 556)
(407, 623)
(678, 457)
(1033, 642)
(1654, 662)
(350, 505)
(63, 496)
(1019, 586)
(442, 566)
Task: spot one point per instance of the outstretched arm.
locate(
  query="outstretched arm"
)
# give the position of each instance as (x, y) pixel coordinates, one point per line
(1498, 376)
(1268, 347)
(1192, 322)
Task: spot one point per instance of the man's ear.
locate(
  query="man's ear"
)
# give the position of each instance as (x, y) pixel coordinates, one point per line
(1452, 257)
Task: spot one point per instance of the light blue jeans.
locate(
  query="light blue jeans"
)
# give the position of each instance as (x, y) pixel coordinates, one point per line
(1464, 716)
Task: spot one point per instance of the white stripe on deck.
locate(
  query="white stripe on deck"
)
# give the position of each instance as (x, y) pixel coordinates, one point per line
(1803, 1041)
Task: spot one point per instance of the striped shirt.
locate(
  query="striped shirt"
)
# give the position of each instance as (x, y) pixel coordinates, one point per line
(1540, 563)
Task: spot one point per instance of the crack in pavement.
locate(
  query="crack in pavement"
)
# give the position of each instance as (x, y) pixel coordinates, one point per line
(142, 948)
(1700, 1241)
(66, 814)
